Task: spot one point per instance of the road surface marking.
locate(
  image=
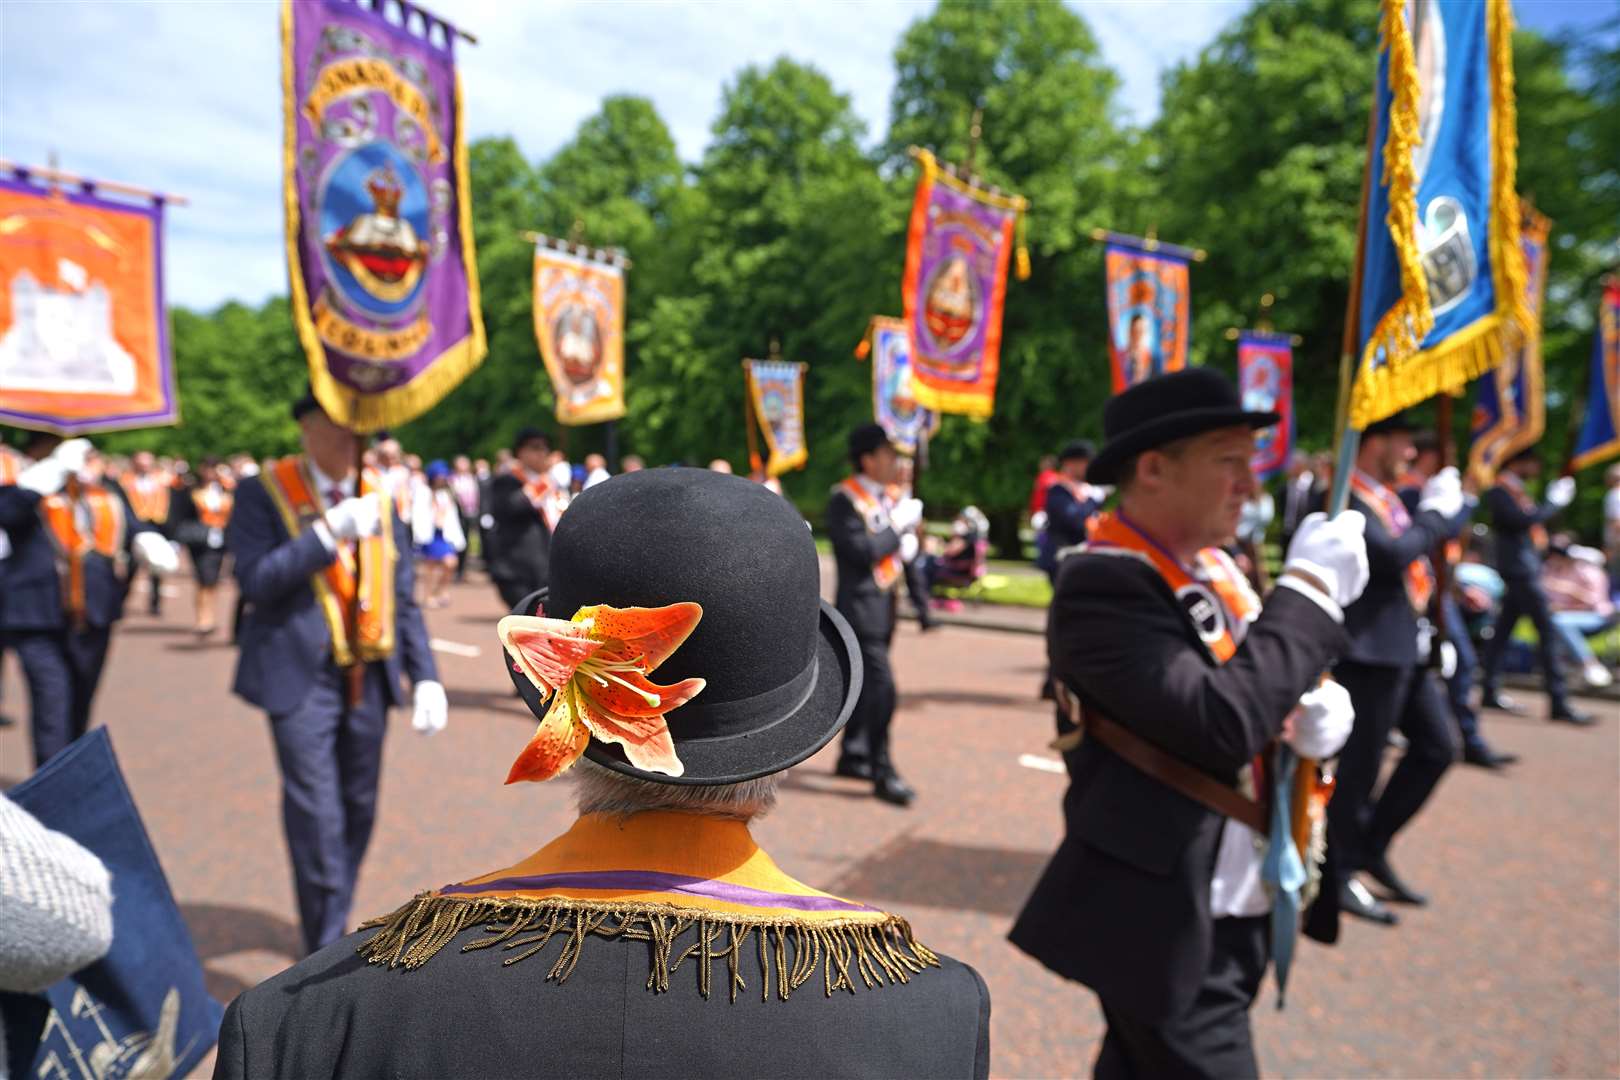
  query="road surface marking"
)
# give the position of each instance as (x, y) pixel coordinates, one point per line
(1041, 764)
(455, 648)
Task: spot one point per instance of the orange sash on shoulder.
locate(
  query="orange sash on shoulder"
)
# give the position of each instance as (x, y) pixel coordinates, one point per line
(220, 515)
(10, 466)
(886, 571)
(106, 536)
(290, 487)
(1391, 513)
(151, 503)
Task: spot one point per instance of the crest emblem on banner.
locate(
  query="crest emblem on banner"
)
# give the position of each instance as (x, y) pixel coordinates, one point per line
(379, 231)
(579, 322)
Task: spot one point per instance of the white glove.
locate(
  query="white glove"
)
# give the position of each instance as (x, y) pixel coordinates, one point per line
(1334, 552)
(430, 708)
(155, 553)
(906, 514)
(1323, 721)
(73, 454)
(1097, 492)
(908, 547)
(1443, 493)
(1037, 520)
(1448, 660)
(355, 517)
(562, 476)
(1561, 492)
(44, 477)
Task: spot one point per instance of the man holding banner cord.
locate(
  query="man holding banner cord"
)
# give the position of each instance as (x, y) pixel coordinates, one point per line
(1387, 668)
(1519, 525)
(1178, 685)
(307, 535)
(872, 539)
(72, 541)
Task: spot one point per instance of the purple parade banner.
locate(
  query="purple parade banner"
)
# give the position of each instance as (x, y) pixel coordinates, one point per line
(379, 230)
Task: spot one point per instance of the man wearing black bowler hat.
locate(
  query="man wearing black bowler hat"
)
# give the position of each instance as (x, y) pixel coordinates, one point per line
(654, 937)
(872, 538)
(1176, 681)
(1389, 669)
(522, 504)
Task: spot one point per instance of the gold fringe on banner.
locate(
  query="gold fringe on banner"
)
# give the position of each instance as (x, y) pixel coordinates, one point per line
(1407, 377)
(878, 951)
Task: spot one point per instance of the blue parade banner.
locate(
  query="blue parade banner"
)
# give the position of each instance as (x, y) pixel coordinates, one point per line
(142, 1010)
(1442, 276)
(1600, 433)
(1509, 404)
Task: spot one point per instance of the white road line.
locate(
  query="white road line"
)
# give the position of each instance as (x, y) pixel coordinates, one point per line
(455, 648)
(1041, 764)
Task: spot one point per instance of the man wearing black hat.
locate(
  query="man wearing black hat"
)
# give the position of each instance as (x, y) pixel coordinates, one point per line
(1177, 680)
(1519, 524)
(522, 503)
(654, 937)
(329, 626)
(872, 539)
(1070, 504)
(1388, 668)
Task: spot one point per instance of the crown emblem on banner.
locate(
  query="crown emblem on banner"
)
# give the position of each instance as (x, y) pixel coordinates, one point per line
(385, 191)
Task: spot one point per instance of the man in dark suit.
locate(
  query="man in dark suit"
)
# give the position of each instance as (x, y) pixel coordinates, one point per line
(1520, 527)
(1154, 898)
(654, 938)
(522, 506)
(1297, 500)
(296, 532)
(1070, 504)
(73, 540)
(1387, 669)
(872, 539)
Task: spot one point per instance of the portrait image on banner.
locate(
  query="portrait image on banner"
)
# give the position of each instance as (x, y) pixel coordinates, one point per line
(84, 334)
(958, 245)
(1149, 313)
(379, 230)
(1266, 381)
(579, 322)
(1443, 286)
(776, 400)
(894, 397)
(1509, 401)
(1599, 439)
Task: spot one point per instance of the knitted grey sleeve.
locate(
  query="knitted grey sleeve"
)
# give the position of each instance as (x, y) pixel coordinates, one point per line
(55, 903)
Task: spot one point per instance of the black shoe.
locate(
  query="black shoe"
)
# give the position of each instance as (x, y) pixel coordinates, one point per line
(1354, 899)
(1502, 703)
(1380, 871)
(891, 789)
(1568, 714)
(853, 768)
(1486, 758)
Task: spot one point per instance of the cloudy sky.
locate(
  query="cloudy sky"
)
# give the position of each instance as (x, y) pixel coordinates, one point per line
(185, 97)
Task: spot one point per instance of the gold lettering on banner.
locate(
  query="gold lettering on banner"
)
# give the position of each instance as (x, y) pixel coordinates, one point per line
(360, 73)
(340, 333)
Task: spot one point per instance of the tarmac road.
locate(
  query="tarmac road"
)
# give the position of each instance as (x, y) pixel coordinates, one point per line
(1513, 970)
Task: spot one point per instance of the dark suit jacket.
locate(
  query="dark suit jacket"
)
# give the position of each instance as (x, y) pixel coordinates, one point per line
(1066, 517)
(1516, 554)
(31, 588)
(869, 609)
(520, 542)
(465, 1015)
(284, 638)
(1123, 907)
(1382, 625)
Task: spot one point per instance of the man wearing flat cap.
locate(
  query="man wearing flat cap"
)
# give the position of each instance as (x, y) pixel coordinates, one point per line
(1179, 687)
(873, 537)
(654, 938)
(329, 626)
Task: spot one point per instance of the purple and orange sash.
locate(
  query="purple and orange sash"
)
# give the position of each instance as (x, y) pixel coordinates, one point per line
(294, 494)
(886, 571)
(106, 535)
(1391, 513)
(654, 876)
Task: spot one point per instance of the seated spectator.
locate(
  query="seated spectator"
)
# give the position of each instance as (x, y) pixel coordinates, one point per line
(1578, 595)
(960, 562)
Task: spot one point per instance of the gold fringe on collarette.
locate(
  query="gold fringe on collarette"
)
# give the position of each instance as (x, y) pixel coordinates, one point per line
(1407, 376)
(879, 951)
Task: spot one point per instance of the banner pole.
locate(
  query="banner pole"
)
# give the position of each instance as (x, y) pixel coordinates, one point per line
(1348, 438)
(357, 670)
(754, 462)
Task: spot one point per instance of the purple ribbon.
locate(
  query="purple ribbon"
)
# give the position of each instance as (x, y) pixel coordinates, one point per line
(657, 881)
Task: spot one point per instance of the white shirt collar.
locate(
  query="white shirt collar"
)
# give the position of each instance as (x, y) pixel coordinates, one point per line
(324, 483)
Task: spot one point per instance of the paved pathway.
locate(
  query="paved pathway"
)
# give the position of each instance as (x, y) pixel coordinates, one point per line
(1513, 971)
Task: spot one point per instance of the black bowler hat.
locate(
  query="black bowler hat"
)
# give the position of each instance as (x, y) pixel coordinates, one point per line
(782, 667)
(1166, 408)
(1077, 450)
(865, 439)
(527, 435)
(1400, 422)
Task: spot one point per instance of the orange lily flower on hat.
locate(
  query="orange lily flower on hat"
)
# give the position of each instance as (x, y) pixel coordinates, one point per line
(595, 668)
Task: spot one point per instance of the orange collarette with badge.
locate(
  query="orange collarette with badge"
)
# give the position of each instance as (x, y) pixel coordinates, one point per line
(105, 538)
(1391, 513)
(886, 571)
(291, 489)
(150, 501)
(218, 515)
